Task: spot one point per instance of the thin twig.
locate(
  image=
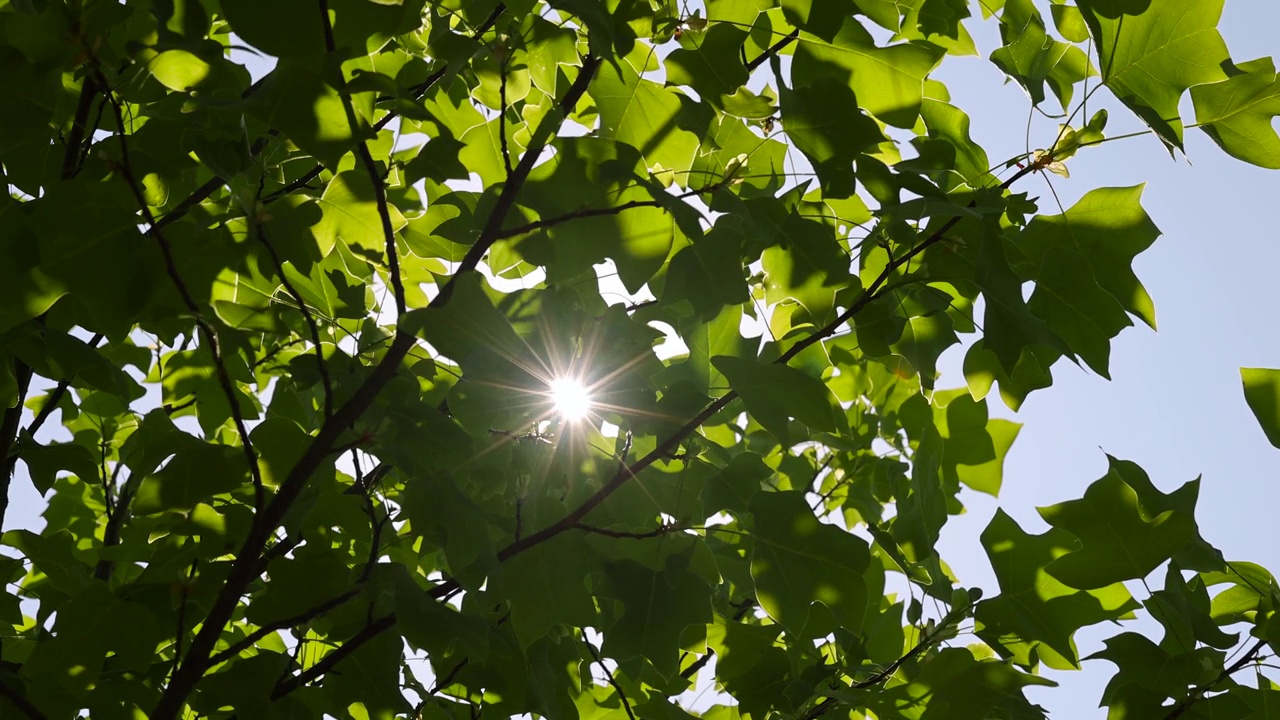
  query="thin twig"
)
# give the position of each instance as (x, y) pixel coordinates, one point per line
(289, 622)
(302, 182)
(615, 210)
(371, 168)
(626, 704)
(625, 535)
(55, 396)
(502, 110)
(171, 268)
(1197, 694)
(306, 315)
(246, 566)
(306, 677)
(375, 523)
(182, 619)
(31, 711)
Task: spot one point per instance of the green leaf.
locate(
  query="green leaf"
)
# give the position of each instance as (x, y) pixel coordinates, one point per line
(1262, 392)
(774, 393)
(1076, 308)
(1010, 326)
(1035, 616)
(547, 587)
(1238, 112)
(798, 561)
(351, 216)
(644, 115)
(968, 688)
(299, 102)
(1032, 58)
(1119, 539)
(974, 445)
(657, 608)
(1198, 554)
(888, 81)
(1152, 56)
(1107, 228)
(197, 472)
(825, 122)
(709, 62)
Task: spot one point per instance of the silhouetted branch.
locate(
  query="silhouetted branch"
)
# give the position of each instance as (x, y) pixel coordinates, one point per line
(247, 566)
(290, 622)
(773, 50)
(626, 704)
(306, 316)
(171, 268)
(31, 711)
(1197, 694)
(55, 396)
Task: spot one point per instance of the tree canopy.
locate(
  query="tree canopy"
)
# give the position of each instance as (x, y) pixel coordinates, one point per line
(559, 357)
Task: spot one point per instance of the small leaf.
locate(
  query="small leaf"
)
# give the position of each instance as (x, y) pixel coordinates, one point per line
(1262, 392)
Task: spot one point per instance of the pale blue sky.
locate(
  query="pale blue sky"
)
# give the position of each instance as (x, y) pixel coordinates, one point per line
(1174, 404)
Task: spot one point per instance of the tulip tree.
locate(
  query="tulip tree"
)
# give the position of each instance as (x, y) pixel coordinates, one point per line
(394, 359)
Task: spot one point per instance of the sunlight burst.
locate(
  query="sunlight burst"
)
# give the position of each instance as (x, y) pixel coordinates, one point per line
(570, 398)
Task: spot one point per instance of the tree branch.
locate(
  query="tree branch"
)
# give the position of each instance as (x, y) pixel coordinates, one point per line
(246, 566)
(55, 396)
(306, 316)
(203, 192)
(1197, 694)
(773, 50)
(31, 711)
(9, 432)
(72, 153)
(626, 704)
(663, 449)
(309, 675)
(371, 168)
(290, 622)
(171, 268)
(615, 210)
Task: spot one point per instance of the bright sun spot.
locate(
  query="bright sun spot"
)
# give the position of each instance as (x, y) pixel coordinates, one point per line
(570, 398)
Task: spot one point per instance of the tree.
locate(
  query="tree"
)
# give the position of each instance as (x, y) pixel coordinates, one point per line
(317, 344)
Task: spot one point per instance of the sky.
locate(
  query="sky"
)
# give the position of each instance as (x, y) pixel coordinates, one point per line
(1174, 404)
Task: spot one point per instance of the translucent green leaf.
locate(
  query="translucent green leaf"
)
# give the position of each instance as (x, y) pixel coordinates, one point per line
(889, 81)
(824, 121)
(657, 607)
(196, 473)
(1076, 308)
(708, 62)
(645, 115)
(1238, 113)
(1262, 392)
(1032, 58)
(798, 561)
(1035, 616)
(1119, 540)
(1108, 228)
(1150, 57)
(546, 587)
(970, 689)
(774, 393)
(351, 216)
(299, 102)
